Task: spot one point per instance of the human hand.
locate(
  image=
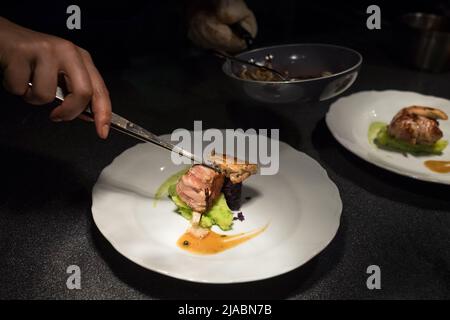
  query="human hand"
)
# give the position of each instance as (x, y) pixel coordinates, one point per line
(28, 56)
(209, 26)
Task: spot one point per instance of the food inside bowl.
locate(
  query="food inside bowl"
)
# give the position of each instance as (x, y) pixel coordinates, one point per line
(259, 74)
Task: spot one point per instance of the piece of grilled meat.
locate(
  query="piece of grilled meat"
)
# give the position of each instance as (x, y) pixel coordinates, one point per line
(417, 125)
(199, 187)
(234, 169)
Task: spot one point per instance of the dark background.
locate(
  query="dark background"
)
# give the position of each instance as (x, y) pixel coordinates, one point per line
(115, 31)
(158, 79)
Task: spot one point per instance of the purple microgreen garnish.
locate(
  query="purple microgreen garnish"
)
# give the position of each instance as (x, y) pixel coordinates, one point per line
(239, 217)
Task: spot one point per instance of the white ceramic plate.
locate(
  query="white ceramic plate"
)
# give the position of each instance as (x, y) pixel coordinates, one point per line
(300, 204)
(349, 119)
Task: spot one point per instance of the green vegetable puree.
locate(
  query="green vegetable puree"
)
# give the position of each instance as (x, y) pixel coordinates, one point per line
(219, 214)
(378, 134)
(163, 189)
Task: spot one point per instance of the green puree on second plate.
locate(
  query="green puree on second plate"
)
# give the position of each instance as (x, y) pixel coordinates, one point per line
(379, 135)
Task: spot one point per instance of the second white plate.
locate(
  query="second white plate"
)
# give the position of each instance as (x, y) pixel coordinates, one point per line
(349, 119)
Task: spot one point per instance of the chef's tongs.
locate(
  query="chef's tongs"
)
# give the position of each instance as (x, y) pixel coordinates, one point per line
(125, 126)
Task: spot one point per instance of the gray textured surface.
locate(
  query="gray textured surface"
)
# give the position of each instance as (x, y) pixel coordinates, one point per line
(48, 171)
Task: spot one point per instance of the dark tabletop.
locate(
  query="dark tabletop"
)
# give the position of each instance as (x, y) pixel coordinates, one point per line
(48, 171)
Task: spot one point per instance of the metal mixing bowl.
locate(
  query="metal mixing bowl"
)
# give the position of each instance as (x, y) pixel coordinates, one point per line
(299, 60)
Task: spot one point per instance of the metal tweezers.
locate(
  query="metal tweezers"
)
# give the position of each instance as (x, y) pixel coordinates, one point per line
(125, 126)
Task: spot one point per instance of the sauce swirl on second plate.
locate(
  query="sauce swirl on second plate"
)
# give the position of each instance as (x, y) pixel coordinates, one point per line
(438, 166)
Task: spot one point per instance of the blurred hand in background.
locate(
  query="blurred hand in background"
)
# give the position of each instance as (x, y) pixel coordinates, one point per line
(209, 23)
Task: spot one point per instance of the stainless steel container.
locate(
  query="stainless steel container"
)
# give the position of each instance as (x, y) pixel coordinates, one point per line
(425, 41)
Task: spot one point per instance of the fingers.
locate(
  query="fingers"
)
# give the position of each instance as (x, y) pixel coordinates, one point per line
(211, 29)
(28, 56)
(225, 38)
(100, 103)
(197, 31)
(85, 118)
(79, 87)
(221, 36)
(45, 81)
(208, 32)
(232, 11)
(16, 77)
(249, 23)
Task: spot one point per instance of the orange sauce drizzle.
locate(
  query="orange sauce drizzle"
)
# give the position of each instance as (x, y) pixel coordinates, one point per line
(214, 242)
(438, 166)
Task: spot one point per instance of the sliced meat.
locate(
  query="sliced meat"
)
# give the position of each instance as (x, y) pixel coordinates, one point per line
(417, 125)
(234, 169)
(199, 187)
